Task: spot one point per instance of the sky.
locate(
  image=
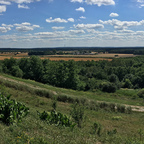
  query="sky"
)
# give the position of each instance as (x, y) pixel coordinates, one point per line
(71, 23)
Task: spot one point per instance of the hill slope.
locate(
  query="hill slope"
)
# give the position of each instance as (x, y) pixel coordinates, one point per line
(116, 127)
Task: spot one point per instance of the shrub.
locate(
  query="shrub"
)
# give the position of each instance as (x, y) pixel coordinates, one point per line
(141, 93)
(112, 107)
(108, 87)
(77, 113)
(56, 118)
(121, 108)
(11, 111)
(129, 110)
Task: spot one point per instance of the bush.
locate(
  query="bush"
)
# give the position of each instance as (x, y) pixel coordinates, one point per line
(141, 93)
(121, 108)
(11, 111)
(77, 113)
(56, 118)
(108, 87)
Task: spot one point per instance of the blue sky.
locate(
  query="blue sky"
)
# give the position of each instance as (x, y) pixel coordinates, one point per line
(73, 23)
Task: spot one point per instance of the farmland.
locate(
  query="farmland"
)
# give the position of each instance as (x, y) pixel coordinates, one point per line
(95, 57)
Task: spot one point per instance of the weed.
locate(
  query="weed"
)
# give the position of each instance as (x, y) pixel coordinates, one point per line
(77, 113)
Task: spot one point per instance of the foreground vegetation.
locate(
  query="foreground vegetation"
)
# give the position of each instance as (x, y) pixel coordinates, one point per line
(94, 124)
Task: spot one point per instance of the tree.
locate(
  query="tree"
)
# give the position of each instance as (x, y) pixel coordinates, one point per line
(73, 78)
(16, 71)
(24, 65)
(36, 68)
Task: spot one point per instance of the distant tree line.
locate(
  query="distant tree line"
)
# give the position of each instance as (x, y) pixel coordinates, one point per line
(82, 75)
(59, 50)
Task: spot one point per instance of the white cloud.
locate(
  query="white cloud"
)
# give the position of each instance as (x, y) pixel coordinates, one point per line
(24, 27)
(56, 20)
(23, 1)
(82, 17)
(80, 9)
(117, 24)
(2, 8)
(140, 3)
(70, 19)
(76, 32)
(89, 26)
(3, 29)
(96, 2)
(57, 28)
(113, 15)
(100, 2)
(23, 6)
(5, 2)
(80, 1)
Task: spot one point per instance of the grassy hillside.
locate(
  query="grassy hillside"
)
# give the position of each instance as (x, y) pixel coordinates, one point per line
(116, 127)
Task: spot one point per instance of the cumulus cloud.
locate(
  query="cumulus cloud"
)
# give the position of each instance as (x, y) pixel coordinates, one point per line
(5, 2)
(4, 28)
(70, 19)
(76, 31)
(59, 20)
(140, 3)
(100, 2)
(88, 26)
(113, 15)
(22, 1)
(120, 25)
(96, 2)
(24, 27)
(80, 9)
(2, 8)
(57, 28)
(23, 6)
(56, 20)
(82, 17)
(80, 1)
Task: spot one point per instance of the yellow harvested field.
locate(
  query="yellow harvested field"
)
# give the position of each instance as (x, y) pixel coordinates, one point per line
(96, 56)
(60, 58)
(8, 57)
(75, 59)
(69, 57)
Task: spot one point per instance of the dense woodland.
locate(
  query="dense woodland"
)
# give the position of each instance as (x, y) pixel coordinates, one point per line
(82, 75)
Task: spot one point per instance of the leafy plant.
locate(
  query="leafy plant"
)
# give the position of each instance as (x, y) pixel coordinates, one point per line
(11, 111)
(56, 118)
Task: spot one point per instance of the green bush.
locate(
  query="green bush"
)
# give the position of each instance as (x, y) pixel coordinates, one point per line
(121, 108)
(108, 87)
(11, 111)
(56, 118)
(77, 113)
(141, 93)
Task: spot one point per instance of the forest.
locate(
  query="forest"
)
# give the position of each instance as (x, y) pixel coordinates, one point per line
(107, 76)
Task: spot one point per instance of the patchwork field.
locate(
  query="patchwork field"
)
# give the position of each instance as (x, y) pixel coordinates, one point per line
(69, 57)
(74, 58)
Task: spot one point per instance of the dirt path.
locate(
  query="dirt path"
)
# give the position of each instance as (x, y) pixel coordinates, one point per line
(134, 108)
(23, 83)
